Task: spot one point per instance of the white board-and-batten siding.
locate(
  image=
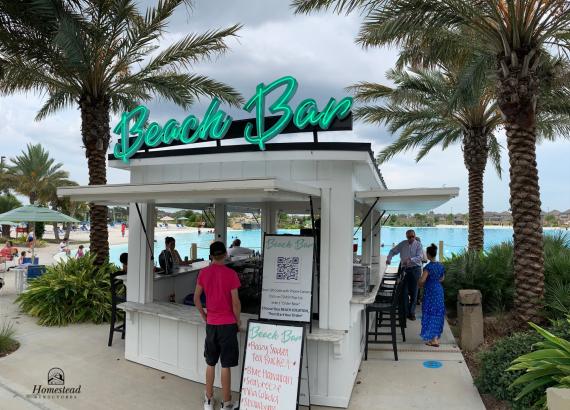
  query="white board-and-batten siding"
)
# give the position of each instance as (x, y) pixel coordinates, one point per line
(176, 346)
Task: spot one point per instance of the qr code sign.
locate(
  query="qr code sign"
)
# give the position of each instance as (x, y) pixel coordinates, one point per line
(287, 268)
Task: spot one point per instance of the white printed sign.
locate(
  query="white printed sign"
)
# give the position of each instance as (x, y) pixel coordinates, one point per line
(271, 367)
(287, 278)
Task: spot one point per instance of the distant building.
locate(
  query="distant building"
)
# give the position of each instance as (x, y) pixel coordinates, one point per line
(498, 218)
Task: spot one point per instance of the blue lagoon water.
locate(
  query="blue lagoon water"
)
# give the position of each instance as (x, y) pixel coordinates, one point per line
(454, 239)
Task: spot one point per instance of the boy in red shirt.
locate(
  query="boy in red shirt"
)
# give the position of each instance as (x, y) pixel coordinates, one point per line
(220, 285)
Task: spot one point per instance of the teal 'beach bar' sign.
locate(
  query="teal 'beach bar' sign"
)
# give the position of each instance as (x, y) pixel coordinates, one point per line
(216, 122)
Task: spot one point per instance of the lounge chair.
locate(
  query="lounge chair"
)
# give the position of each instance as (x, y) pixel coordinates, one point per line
(35, 271)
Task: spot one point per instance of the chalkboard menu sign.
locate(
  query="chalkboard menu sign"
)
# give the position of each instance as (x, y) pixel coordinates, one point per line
(287, 281)
(272, 363)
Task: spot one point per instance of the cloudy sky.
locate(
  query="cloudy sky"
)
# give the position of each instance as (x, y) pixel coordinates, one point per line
(320, 52)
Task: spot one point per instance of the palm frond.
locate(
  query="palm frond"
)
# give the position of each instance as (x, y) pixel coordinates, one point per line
(338, 6)
(365, 91)
(193, 48)
(495, 154)
(55, 102)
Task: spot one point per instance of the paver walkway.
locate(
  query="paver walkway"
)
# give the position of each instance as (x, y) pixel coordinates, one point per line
(108, 381)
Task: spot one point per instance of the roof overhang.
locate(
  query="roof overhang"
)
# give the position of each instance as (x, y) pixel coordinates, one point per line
(413, 200)
(193, 195)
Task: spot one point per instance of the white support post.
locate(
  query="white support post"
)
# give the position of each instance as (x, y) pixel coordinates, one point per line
(140, 275)
(337, 229)
(375, 245)
(221, 223)
(269, 218)
(366, 250)
(324, 316)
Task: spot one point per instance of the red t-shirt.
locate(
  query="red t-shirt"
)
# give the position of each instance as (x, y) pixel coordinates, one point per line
(218, 281)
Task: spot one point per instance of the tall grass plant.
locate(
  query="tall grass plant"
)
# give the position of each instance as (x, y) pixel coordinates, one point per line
(491, 272)
(73, 291)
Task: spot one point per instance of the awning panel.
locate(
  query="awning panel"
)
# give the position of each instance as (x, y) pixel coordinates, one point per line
(198, 194)
(413, 200)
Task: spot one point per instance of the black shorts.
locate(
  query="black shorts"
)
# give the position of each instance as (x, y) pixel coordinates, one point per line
(221, 344)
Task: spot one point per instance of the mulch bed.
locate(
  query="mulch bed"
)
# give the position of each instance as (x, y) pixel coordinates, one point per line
(11, 349)
(495, 328)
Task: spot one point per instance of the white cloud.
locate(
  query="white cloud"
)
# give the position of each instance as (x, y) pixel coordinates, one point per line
(319, 51)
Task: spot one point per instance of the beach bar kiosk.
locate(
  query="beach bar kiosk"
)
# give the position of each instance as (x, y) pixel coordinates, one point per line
(221, 164)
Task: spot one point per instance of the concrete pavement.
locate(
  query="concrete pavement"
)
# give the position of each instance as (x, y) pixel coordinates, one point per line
(108, 381)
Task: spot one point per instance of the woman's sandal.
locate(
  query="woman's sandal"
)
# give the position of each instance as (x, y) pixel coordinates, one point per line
(432, 344)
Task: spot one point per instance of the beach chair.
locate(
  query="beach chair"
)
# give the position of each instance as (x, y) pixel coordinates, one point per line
(27, 261)
(35, 271)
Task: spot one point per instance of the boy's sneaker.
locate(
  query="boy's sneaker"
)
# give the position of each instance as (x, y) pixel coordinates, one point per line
(230, 405)
(208, 403)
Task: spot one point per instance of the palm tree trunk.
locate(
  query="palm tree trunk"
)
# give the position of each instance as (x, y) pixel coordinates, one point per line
(517, 95)
(475, 152)
(6, 231)
(67, 231)
(55, 232)
(525, 207)
(96, 135)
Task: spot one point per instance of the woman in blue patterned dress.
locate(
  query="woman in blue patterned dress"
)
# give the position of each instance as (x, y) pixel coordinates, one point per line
(433, 308)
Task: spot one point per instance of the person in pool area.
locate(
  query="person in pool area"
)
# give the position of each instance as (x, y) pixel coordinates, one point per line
(411, 255)
(80, 252)
(433, 307)
(222, 317)
(22, 257)
(64, 247)
(9, 251)
(30, 240)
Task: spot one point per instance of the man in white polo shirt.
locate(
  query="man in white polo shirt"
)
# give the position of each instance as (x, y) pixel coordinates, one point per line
(411, 255)
(237, 250)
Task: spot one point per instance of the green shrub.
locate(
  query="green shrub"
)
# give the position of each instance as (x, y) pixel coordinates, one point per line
(547, 366)
(493, 377)
(72, 291)
(7, 342)
(39, 230)
(22, 241)
(492, 273)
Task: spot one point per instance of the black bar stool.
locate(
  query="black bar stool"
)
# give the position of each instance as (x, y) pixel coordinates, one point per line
(385, 293)
(117, 286)
(391, 307)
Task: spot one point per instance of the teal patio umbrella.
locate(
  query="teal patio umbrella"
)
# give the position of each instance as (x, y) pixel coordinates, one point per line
(34, 213)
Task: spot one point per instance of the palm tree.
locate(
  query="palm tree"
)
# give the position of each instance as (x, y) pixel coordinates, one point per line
(74, 209)
(7, 203)
(36, 175)
(102, 56)
(522, 38)
(4, 185)
(419, 108)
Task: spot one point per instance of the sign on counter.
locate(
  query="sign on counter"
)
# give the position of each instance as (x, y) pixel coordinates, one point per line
(271, 366)
(287, 281)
